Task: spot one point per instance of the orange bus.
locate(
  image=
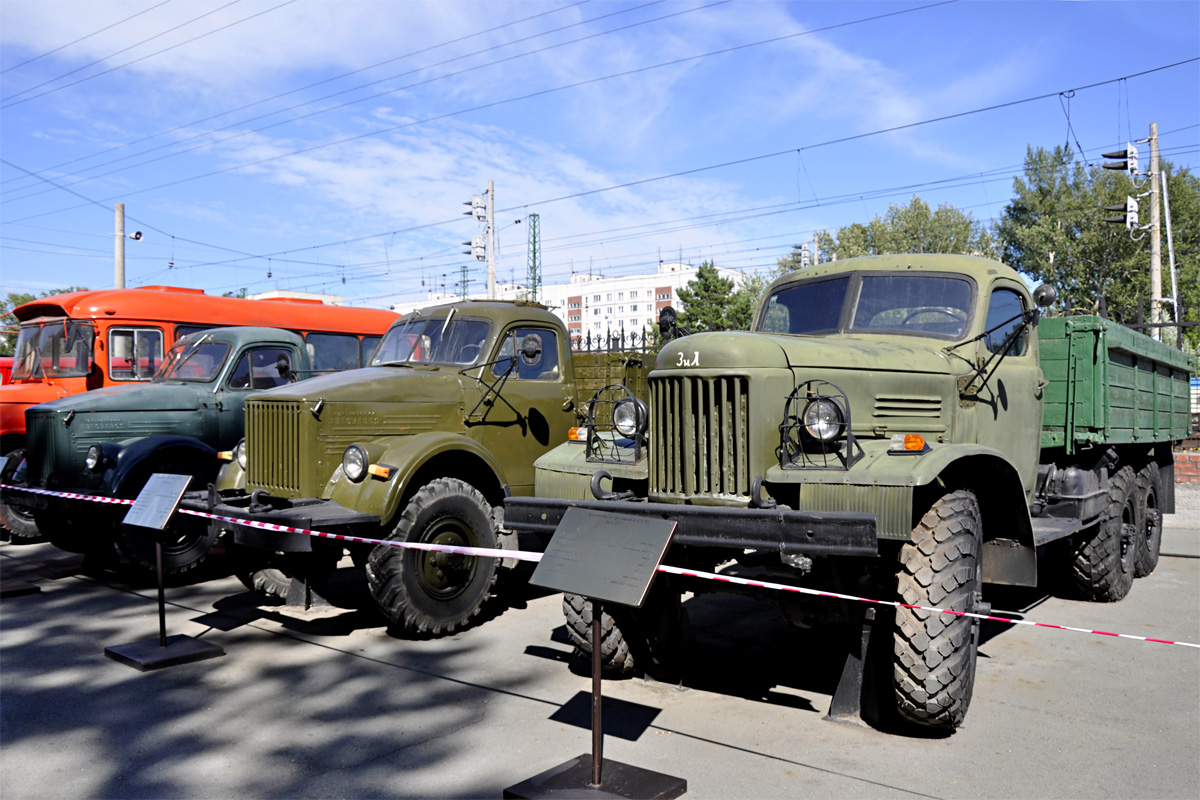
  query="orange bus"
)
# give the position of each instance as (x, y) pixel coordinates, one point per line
(72, 343)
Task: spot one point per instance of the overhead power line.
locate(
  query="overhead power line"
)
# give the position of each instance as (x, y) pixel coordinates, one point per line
(366, 98)
(82, 38)
(531, 95)
(312, 85)
(4, 104)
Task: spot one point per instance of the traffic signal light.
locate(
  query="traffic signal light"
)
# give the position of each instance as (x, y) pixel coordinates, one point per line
(1128, 162)
(478, 208)
(478, 245)
(1128, 215)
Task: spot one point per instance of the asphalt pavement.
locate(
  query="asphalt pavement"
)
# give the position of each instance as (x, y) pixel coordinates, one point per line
(329, 704)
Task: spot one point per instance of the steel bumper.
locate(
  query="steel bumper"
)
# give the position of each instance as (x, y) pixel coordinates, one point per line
(326, 516)
(834, 533)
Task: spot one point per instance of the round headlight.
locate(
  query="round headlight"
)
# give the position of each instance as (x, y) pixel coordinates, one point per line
(629, 417)
(239, 454)
(93, 458)
(823, 420)
(354, 463)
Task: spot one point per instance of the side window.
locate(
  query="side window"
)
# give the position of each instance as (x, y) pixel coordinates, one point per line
(1005, 309)
(262, 368)
(537, 354)
(184, 330)
(134, 354)
(330, 352)
(369, 343)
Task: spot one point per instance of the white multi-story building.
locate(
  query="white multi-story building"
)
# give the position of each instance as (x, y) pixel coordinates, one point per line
(596, 306)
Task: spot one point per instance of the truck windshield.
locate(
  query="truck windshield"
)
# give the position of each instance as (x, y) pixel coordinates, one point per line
(58, 348)
(193, 361)
(924, 305)
(459, 341)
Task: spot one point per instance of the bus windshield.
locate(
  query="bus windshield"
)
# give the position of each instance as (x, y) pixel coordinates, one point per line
(442, 340)
(60, 348)
(193, 361)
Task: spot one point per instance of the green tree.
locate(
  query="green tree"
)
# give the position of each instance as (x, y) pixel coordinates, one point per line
(8, 336)
(914, 228)
(705, 300)
(1053, 230)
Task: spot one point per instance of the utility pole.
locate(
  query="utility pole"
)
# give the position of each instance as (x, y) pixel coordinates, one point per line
(534, 279)
(119, 269)
(1155, 238)
(491, 239)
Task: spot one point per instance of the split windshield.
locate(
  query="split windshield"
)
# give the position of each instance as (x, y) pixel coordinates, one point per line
(438, 340)
(60, 348)
(194, 361)
(921, 305)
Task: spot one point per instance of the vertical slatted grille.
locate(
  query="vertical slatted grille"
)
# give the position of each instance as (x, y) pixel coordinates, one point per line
(273, 446)
(699, 445)
(39, 443)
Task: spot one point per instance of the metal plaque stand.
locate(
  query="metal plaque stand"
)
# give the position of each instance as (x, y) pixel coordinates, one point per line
(610, 558)
(153, 508)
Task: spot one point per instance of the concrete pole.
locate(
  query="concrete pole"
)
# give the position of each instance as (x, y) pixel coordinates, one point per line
(491, 240)
(1155, 238)
(119, 269)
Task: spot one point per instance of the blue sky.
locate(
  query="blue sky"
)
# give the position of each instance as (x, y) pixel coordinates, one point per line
(250, 156)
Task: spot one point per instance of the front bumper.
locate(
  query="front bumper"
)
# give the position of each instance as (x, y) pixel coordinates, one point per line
(834, 533)
(326, 516)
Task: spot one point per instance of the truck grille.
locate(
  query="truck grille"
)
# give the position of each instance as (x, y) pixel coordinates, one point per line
(273, 446)
(700, 442)
(39, 441)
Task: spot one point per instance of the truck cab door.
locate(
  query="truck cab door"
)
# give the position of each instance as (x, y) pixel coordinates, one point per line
(254, 369)
(1009, 409)
(539, 388)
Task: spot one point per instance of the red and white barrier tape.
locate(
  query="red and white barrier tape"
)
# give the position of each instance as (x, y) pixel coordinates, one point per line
(522, 555)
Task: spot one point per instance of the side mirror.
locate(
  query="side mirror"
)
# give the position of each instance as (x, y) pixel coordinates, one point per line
(283, 365)
(531, 349)
(1045, 295)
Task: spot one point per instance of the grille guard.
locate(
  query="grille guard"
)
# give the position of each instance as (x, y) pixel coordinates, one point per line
(799, 450)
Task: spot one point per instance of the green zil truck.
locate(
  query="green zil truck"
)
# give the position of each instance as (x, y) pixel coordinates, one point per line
(904, 428)
(423, 445)
(108, 442)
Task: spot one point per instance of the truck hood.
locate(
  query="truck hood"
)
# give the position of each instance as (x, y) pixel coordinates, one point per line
(729, 350)
(138, 398)
(376, 385)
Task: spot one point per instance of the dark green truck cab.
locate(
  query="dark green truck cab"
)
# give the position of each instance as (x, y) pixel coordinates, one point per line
(423, 445)
(909, 426)
(109, 441)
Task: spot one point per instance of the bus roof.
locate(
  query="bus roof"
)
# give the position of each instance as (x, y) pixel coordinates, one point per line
(157, 304)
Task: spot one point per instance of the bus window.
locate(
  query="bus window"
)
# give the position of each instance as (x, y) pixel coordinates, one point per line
(134, 353)
(330, 352)
(56, 349)
(183, 330)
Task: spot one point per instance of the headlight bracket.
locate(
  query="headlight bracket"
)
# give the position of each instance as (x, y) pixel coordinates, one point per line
(798, 449)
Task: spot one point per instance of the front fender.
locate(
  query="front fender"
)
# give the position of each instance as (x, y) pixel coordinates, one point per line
(230, 476)
(405, 455)
(137, 461)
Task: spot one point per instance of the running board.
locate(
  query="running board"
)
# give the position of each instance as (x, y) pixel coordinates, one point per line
(1048, 529)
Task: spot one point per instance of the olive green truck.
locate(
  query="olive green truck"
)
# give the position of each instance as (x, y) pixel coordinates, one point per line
(422, 445)
(903, 428)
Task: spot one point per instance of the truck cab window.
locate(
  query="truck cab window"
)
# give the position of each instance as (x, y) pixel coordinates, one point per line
(1005, 307)
(262, 368)
(541, 366)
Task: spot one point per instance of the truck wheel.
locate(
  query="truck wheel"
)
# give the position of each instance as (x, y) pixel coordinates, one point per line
(1149, 484)
(436, 593)
(1103, 565)
(65, 533)
(616, 654)
(934, 654)
(187, 542)
(270, 574)
(18, 519)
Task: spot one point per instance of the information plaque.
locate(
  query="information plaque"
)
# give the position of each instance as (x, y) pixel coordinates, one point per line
(157, 501)
(153, 508)
(604, 556)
